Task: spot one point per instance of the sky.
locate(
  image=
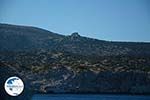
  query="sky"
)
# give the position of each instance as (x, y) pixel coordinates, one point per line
(113, 20)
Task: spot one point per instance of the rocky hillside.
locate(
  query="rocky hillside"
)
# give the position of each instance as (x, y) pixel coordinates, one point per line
(23, 38)
(52, 63)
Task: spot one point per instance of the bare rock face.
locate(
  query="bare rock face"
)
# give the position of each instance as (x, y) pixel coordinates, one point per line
(75, 35)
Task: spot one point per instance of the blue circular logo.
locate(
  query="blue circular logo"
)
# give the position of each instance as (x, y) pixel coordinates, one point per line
(14, 86)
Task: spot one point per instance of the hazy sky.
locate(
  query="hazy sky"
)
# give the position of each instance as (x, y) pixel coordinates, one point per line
(125, 20)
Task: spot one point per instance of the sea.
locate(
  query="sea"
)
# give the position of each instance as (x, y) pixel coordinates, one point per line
(88, 97)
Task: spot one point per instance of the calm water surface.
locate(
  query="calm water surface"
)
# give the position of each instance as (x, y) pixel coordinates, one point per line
(88, 97)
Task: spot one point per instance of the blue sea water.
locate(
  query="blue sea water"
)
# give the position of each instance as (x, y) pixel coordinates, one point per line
(88, 97)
